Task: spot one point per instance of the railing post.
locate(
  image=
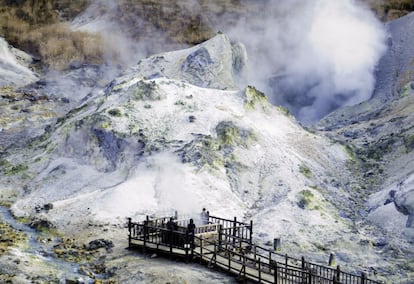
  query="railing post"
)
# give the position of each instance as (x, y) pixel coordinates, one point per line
(186, 244)
(201, 247)
(220, 235)
(171, 240)
(270, 258)
(251, 232)
(240, 250)
(129, 232)
(215, 254)
(145, 233)
(286, 261)
(303, 270)
(229, 260)
(244, 268)
(260, 270)
(254, 252)
(338, 273)
(234, 230)
(192, 244)
(275, 274)
(363, 278)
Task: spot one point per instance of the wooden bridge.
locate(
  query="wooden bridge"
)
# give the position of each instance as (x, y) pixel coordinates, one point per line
(227, 245)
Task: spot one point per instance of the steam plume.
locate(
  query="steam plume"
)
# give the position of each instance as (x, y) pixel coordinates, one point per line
(313, 56)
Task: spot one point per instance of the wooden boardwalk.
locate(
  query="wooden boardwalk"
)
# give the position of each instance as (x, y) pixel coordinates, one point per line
(227, 245)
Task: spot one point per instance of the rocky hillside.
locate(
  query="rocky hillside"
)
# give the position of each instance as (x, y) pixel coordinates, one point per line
(380, 132)
(84, 148)
(174, 133)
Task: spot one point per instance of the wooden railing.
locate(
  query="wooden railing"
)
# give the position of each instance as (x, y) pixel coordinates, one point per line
(209, 228)
(232, 250)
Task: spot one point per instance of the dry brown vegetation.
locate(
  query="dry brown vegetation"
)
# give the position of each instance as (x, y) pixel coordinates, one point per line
(57, 45)
(38, 26)
(388, 10)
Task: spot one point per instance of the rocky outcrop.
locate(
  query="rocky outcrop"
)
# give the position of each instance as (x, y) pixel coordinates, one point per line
(214, 64)
(14, 69)
(380, 133)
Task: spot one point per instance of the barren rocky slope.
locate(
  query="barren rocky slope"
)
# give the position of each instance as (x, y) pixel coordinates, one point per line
(381, 130)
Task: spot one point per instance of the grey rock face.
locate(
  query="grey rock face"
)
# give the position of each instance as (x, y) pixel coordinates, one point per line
(395, 67)
(197, 64)
(215, 63)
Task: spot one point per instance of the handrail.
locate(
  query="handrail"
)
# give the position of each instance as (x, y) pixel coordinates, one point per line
(232, 245)
(209, 228)
(214, 219)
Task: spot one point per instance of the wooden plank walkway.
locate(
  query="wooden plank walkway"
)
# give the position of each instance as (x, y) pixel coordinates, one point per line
(230, 249)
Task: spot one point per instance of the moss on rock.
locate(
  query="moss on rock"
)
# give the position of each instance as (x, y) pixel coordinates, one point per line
(254, 98)
(9, 237)
(306, 198)
(228, 134)
(306, 171)
(145, 90)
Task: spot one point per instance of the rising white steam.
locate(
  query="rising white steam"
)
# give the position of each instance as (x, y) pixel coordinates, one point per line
(313, 55)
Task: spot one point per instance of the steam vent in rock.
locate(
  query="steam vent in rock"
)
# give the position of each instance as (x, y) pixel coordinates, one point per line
(293, 120)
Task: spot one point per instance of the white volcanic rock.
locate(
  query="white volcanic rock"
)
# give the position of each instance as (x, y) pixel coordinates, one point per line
(214, 64)
(156, 145)
(14, 69)
(184, 139)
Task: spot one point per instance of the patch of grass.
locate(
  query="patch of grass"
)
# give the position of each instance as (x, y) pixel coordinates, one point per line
(179, 103)
(14, 169)
(228, 134)
(409, 142)
(145, 90)
(71, 114)
(388, 10)
(58, 46)
(254, 98)
(284, 110)
(304, 170)
(37, 27)
(6, 204)
(406, 90)
(306, 198)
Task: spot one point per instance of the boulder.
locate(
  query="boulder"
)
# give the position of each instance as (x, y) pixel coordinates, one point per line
(14, 69)
(216, 63)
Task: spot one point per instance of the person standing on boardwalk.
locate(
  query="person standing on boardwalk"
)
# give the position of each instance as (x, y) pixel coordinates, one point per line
(171, 226)
(204, 216)
(190, 232)
(191, 227)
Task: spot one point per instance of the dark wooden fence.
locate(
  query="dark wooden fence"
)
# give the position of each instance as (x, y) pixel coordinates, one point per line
(232, 250)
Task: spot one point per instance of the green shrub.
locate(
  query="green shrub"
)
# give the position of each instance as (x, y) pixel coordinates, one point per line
(409, 142)
(115, 112)
(305, 171)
